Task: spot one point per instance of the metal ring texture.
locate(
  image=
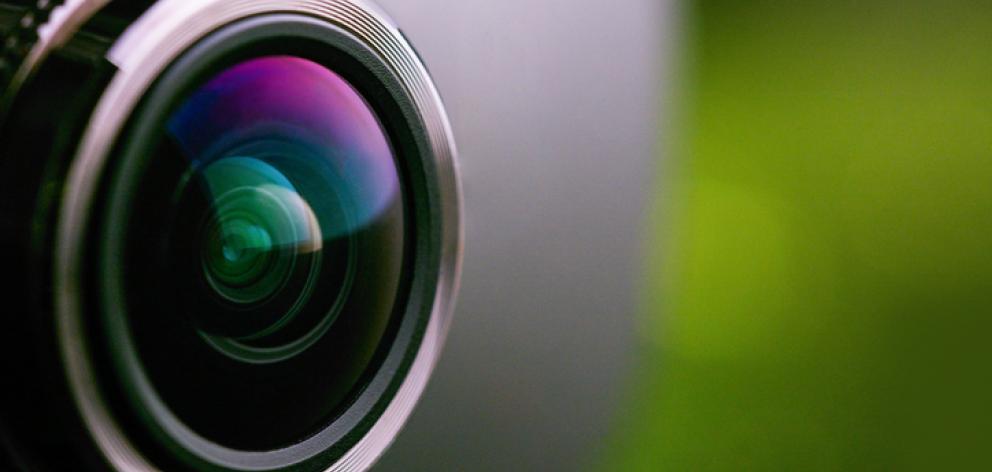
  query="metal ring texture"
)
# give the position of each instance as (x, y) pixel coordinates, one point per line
(142, 53)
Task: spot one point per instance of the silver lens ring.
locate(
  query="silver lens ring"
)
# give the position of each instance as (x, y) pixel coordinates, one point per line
(142, 53)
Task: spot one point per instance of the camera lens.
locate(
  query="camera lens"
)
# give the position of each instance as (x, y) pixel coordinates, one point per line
(262, 244)
(244, 236)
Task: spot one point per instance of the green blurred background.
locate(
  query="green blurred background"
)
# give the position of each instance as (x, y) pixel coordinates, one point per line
(820, 275)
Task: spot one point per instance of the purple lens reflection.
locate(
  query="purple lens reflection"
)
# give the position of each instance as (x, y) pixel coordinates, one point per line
(289, 109)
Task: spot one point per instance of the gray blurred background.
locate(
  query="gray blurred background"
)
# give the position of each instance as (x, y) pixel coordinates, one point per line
(555, 106)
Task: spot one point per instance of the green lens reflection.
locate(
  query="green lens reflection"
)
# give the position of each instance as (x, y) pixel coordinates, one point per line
(258, 228)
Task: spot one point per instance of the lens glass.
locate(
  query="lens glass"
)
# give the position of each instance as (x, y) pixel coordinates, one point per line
(264, 251)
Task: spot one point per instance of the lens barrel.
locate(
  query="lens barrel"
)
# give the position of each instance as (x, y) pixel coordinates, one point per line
(239, 224)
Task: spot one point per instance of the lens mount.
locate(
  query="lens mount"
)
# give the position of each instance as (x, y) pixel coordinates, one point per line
(167, 52)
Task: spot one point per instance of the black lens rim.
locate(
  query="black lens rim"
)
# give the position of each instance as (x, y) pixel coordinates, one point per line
(346, 55)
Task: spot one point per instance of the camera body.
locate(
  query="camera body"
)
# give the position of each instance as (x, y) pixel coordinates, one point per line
(236, 228)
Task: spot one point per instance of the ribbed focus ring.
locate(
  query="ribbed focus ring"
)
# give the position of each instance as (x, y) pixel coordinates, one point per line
(140, 55)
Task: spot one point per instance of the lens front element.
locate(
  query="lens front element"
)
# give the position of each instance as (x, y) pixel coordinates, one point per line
(265, 252)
